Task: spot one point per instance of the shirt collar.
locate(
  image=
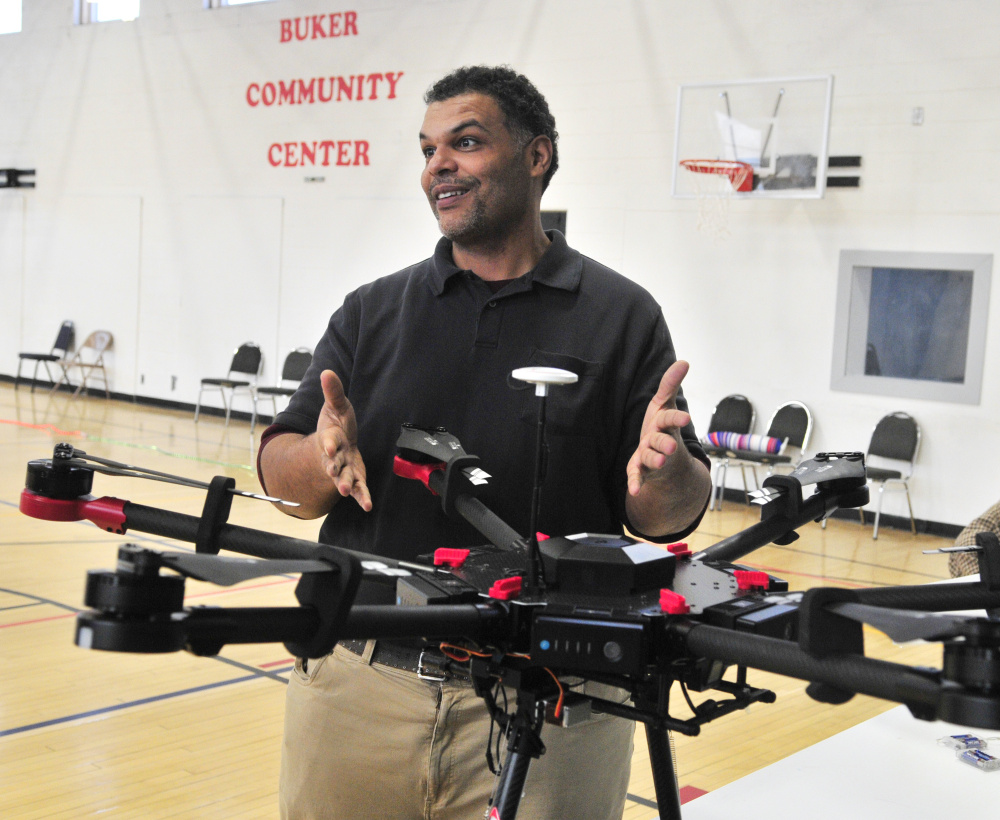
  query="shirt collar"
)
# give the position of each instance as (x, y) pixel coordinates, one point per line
(560, 265)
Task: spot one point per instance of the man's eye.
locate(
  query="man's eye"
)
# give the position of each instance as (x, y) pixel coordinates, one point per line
(427, 152)
(467, 142)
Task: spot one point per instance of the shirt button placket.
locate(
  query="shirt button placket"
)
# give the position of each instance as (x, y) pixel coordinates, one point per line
(490, 317)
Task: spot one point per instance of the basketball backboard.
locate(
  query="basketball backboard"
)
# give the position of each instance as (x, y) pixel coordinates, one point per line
(779, 127)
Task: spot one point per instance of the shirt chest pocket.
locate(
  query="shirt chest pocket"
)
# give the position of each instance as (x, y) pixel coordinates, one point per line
(573, 409)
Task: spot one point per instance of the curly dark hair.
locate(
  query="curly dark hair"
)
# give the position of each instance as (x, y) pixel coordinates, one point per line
(524, 108)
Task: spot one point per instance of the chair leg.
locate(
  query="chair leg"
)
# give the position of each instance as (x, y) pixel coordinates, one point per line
(746, 488)
(63, 378)
(253, 414)
(197, 405)
(274, 408)
(227, 405)
(274, 411)
(104, 378)
(878, 510)
(913, 523)
(721, 482)
(34, 378)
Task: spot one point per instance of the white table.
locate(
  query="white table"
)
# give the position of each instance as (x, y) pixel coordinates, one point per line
(890, 767)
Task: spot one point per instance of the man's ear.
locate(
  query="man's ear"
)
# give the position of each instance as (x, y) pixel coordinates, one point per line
(540, 154)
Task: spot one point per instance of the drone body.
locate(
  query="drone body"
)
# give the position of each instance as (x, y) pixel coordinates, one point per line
(536, 613)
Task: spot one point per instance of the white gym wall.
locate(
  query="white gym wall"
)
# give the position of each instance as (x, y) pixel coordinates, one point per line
(159, 215)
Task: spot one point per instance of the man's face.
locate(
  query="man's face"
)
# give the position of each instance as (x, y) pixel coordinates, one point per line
(477, 176)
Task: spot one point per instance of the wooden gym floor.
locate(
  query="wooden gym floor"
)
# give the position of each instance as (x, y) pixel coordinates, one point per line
(88, 734)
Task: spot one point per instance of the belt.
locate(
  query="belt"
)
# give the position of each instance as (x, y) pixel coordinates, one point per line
(427, 663)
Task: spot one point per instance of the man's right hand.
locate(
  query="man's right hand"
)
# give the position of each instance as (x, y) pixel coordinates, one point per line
(337, 439)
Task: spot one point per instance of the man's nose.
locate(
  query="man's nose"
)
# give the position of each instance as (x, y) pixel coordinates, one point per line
(442, 160)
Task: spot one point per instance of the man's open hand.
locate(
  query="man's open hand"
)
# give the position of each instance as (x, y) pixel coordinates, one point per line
(337, 437)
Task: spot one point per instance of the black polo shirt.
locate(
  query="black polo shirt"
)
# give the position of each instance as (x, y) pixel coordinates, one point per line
(433, 345)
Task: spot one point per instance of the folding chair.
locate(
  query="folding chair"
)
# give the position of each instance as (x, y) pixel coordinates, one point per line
(894, 444)
(733, 414)
(247, 361)
(60, 350)
(296, 364)
(89, 360)
(792, 425)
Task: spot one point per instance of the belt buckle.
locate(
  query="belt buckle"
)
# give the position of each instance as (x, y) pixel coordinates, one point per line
(425, 674)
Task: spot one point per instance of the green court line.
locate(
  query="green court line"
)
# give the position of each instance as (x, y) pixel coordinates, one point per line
(55, 431)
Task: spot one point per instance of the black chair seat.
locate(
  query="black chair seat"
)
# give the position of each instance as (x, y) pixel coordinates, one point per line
(40, 357)
(276, 391)
(878, 474)
(225, 383)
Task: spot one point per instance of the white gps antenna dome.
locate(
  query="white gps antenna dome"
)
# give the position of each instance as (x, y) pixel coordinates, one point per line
(542, 377)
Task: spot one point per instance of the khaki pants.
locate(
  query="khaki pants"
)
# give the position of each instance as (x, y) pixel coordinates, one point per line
(367, 742)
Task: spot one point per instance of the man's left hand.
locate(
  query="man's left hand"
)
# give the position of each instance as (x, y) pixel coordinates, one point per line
(660, 439)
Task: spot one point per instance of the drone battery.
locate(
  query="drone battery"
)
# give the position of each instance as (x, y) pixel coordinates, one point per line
(416, 590)
(981, 760)
(752, 615)
(774, 621)
(588, 645)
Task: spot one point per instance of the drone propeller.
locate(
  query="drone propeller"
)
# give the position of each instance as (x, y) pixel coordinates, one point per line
(72, 457)
(906, 624)
(949, 550)
(226, 571)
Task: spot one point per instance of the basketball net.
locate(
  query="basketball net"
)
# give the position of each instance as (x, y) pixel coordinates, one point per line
(715, 181)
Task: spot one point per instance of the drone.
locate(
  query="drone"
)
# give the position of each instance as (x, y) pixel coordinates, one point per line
(544, 613)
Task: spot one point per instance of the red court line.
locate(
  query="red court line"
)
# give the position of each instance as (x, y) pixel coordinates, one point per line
(40, 620)
(276, 663)
(241, 589)
(689, 793)
(49, 428)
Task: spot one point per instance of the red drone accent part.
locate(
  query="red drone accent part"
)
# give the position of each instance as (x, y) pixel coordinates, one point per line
(445, 557)
(106, 512)
(506, 588)
(680, 549)
(673, 603)
(420, 472)
(749, 579)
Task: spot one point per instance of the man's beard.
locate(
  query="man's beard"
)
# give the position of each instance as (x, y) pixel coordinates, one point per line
(474, 228)
(511, 196)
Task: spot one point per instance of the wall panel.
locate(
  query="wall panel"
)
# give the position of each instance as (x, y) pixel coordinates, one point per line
(15, 334)
(160, 183)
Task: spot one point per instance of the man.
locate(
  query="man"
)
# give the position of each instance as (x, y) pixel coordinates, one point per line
(435, 344)
(967, 563)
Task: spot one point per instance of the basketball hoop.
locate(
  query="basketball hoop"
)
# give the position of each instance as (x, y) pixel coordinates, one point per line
(716, 182)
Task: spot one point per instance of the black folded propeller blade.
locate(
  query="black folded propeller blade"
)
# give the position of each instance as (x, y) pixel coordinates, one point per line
(226, 571)
(907, 624)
